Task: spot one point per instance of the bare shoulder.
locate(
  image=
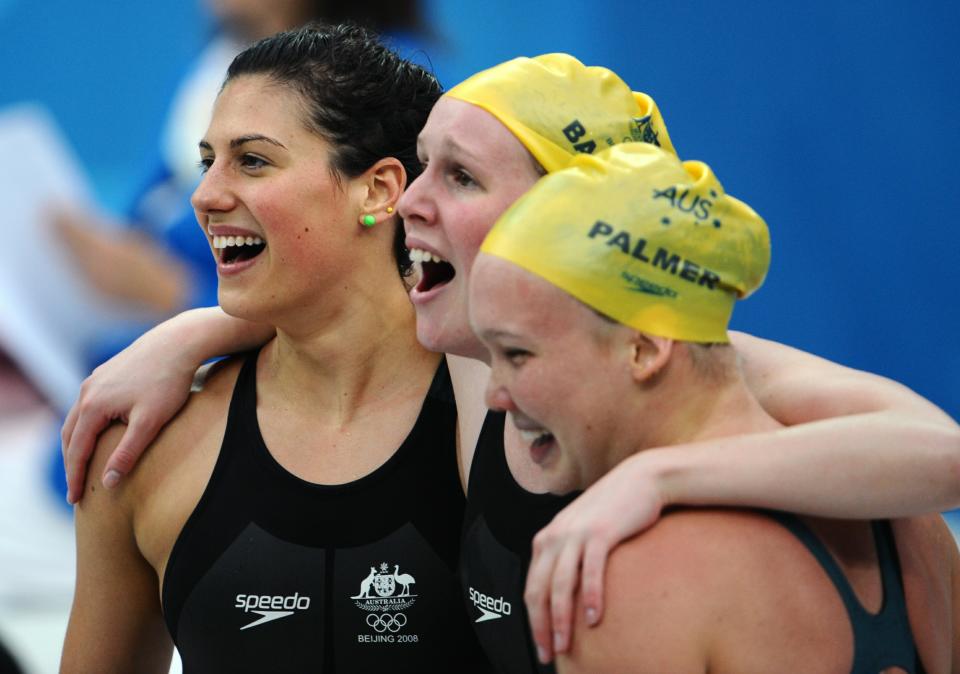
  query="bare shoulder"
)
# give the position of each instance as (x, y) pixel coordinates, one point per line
(703, 545)
(926, 547)
(930, 567)
(730, 590)
(929, 528)
(669, 588)
(165, 486)
(197, 419)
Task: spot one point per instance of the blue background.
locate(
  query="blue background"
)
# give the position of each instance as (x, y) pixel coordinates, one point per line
(836, 121)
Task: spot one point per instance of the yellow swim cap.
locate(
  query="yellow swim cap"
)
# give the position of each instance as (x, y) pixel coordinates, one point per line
(557, 107)
(641, 237)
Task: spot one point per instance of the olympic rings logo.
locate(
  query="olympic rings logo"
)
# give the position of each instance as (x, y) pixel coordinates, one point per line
(382, 623)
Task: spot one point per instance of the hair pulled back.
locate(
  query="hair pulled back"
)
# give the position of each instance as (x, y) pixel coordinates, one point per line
(360, 96)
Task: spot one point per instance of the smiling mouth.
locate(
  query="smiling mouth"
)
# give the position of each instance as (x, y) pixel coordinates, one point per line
(435, 271)
(234, 249)
(537, 438)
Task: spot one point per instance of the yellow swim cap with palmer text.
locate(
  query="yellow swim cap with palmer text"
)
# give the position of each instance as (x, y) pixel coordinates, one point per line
(649, 241)
(558, 107)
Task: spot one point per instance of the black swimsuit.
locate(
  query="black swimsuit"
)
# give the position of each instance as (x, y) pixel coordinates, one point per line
(501, 521)
(880, 640)
(275, 574)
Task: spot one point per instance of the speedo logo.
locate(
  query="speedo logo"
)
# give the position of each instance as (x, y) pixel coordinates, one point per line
(490, 608)
(270, 607)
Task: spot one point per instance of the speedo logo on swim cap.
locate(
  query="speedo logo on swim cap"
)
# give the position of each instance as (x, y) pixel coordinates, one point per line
(490, 608)
(662, 258)
(270, 607)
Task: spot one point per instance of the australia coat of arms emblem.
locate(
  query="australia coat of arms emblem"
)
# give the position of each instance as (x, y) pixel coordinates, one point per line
(386, 590)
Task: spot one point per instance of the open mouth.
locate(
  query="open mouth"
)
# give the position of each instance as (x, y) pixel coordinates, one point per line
(540, 442)
(234, 249)
(435, 271)
(537, 438)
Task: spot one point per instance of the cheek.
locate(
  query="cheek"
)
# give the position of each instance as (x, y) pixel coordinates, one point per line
(532, 385)
(298, 221)
(467, 238)
(483, 218)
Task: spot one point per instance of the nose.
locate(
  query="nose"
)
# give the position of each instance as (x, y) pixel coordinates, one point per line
(497, 396)
(415, 204)
(212, 194)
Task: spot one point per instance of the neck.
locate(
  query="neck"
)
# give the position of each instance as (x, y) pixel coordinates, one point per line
(338, 359)
(682, 407)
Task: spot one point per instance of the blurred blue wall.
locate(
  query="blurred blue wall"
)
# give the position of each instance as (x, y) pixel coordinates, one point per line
(836, 121)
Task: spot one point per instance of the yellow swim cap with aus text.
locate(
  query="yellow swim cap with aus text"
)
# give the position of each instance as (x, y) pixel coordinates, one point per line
(558, 107)
(649, 241)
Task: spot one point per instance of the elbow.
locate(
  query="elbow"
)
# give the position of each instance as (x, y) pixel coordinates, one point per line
(951, 459)
(954, 465)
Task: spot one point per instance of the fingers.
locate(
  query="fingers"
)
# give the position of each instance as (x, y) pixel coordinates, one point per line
(87, 425)
(591, 580)
(140, 431)
(565, 578)
(67, 431)
(537, 596)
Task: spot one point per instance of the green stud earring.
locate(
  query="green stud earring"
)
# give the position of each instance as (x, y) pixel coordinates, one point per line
(368, 221)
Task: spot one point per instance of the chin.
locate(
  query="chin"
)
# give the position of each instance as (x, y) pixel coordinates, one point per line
(561, 476)
(560, 484)
(241, 307)
(428, 338)
(444, 339)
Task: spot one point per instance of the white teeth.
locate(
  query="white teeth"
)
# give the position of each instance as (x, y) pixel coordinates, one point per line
(227, 241)
(420, 255)
(531, 437)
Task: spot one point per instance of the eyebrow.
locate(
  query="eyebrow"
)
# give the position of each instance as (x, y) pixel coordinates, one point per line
(453, 145)
(242, 140)
(498, 334)
(450, 144)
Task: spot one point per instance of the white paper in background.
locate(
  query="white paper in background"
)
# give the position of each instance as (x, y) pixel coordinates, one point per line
(49, 315)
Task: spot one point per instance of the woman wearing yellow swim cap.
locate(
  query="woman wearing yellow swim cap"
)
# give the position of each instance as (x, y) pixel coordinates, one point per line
(484, 144)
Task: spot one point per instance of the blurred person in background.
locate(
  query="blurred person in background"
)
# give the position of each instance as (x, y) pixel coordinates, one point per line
(7, 664)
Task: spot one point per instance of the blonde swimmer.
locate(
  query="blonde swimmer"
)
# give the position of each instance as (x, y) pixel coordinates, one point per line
(478, 160)
(599, 355)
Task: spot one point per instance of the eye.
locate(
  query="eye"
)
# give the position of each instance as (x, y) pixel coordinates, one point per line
(204, 164)
(516, 357)
(252, 162)
(462, 178)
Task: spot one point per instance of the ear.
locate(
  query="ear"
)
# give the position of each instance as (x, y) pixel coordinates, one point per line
(384, 183)
(650, 356)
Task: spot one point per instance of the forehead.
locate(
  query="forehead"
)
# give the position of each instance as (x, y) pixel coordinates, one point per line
(457, 124)
(251, 103)
(506, 297)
